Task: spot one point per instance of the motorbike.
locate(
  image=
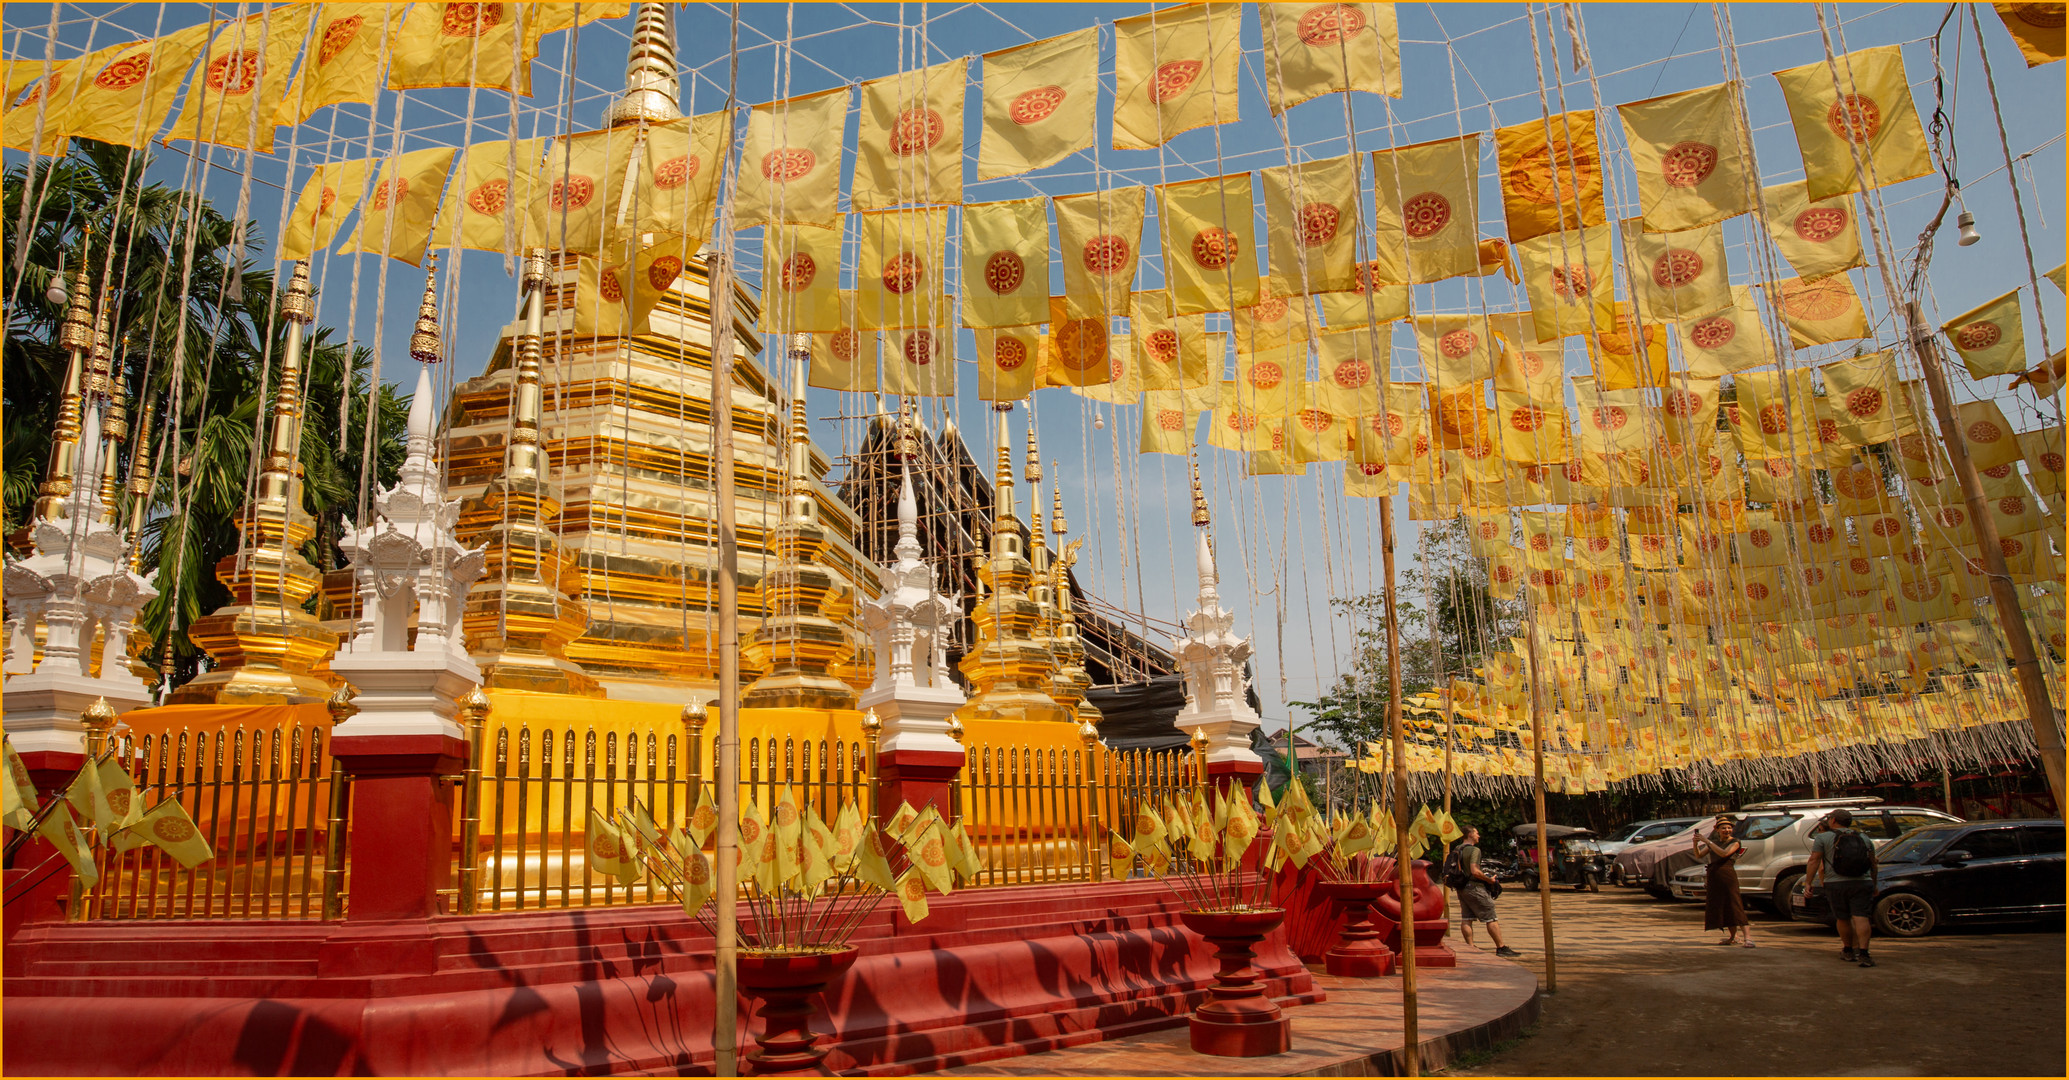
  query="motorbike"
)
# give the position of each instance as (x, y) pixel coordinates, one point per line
(1576, 859)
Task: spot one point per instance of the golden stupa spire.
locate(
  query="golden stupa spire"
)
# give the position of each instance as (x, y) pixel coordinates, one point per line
(1009, 667)
(524, 610)
(75, 336)
(264, 644)
(653, 90)
(1071, 680)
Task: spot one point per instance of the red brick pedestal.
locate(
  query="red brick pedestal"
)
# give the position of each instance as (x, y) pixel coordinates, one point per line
(402, 821)
(918, 777)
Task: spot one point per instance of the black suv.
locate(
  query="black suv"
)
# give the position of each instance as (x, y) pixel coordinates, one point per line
(1973, 871)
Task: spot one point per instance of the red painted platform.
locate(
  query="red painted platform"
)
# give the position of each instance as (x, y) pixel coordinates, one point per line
(992, 973)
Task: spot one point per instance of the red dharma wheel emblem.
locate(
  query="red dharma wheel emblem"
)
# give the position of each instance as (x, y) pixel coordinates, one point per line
(788, 164)
(1241, 422)
(1860, 566)
(234, 74)
(1774, 419)
(2044, 16)
(1819, 533)
(1081, 344)
(1264, 375)
(125, 72)
(1572, 282)
(1686, 164)
(489, 197)
(1676, 268)
(572, 193)
(1162, 346)
(1170, 420)
(662, 272)
(324, 202)
(1008, 353)
(1984, 431)
(388, 193)
(1214, 248)
(337, 35)
(1978, 335)
(1999, 472)
(903, 272)
(1502, 573)
(1864, 402)
(846, 345)
(470, 20)
(175, 830)
(1268, 311)
(1106, 254)
(1760, 538)
(1527, 418)
(1004, 272)
(1318, 222)
(919, 347)
(1817, 301)
(1173, 79)
(2051, 461)
(1036, 105)
(1828, 431)
(1392, 424)
(1607, 418)
(677, 171)
(1353, 374)
(1820, 223)
(1857, 482)
(1316, 420)
(916, 132)
(608, 286)
(1887, 526)
(1779, 468)
(1923, 589)
(1855, 118)
(1328, 24)
(1489, 530)
(1458, 343)
(1425, 215)
(2012, 547)
(797, 272)
(1682, 403)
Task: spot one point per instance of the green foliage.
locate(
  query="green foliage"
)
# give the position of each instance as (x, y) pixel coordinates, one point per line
(198, 342)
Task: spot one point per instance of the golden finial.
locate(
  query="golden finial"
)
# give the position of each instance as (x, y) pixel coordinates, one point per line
(100, 714)
(534, 276)
(955, 729)
(1199, 740)
(1056, 523)
(1088, 734)
(1033, 469)
(295, 304)
(872, 725)
(1200, 518)
(425, 347)
(341, 706)
(474, 708)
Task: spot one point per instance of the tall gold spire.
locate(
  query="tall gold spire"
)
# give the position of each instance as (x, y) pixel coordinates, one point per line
(1008, 666)
(1071, 680)
(263, 643)
(523, 612)
(75, 336)
(799, 641)
(653, 91)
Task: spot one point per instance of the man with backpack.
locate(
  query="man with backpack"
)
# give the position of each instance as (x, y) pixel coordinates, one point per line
(1475, 889)
(1842, 863)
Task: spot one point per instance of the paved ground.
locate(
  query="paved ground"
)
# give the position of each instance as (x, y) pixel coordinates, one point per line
(1642, 991)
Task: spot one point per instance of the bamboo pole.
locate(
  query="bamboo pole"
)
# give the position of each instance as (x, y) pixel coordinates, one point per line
(2004, 595)
(1544, 863)
(1404, 867)
(725, 1034)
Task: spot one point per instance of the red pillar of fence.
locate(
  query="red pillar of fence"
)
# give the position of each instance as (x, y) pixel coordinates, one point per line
(403, 791)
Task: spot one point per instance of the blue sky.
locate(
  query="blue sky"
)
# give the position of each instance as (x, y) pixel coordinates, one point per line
(1287, 544)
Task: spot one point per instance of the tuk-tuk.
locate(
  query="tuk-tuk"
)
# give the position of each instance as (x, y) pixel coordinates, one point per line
(1576, 856)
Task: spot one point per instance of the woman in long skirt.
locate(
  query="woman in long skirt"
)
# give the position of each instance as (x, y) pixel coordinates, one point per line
(1723, 908)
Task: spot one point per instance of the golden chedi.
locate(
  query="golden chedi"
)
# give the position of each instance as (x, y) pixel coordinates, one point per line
(1009, 668)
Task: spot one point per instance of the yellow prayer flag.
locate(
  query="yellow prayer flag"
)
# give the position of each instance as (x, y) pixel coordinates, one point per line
(899, 272)
(1005, 256)
(57, 85)
(1174, 351)
(2037, 28)
(1818, 238)
(920, 361)
(1210, 260)
(651, 274)
(909, 148)
(1692, 157)
(126, 99)
(1169, 421)
(18, 788)
(1369, 303)
(1428, 201)
(494, 186)
(1551, 175)
(1311, 214)
(1353, 369)
(1175, 70)
(911, 888)
(1991, 441)
(61, 832)
(680, 177)
(1858, 104)
(1532, 432)
(1991, 339)
(459, 45)
(326, 198)
(575, 202)
(343, 61)
(1099, 239)
(1629, 353)
(1041, 103)
(1776, 418)
(1731, 340)
(1678, 276)
(1822, 311)
(801, 269)
(846, 358)
(244, 73)
(598, 308)
(1568, 278)
(1123, 382)
(871, 865)
(1864, 391)
(1688, 410)
(1316, 49)
(397, 217)
(1456, 349)
(1007, 362)
(790, 164)
(1613, 421)
(1078, 352)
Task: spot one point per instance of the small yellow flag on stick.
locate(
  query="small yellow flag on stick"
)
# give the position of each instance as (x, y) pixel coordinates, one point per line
(18, 790)
(607, 850)
(63, 833)
(871, 865)
(1041, 104)
(167, 827)
(912, 895)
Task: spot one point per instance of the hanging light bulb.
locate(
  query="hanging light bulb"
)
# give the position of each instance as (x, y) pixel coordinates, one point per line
(1967, 224)
(1099, 421)
(55, 292)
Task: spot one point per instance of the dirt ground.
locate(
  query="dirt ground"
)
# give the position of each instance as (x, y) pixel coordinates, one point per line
(1643, 991)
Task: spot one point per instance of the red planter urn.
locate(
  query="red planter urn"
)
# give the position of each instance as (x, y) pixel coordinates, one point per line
(1361, 951)
(1238, 1019)
(786, 985)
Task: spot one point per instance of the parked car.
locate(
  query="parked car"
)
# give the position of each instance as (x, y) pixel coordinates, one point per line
(1639, 832)
(1636, 864)
(1978, 871)
(1777, 836)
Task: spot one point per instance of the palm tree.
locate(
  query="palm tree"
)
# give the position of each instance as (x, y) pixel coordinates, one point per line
(211, 358)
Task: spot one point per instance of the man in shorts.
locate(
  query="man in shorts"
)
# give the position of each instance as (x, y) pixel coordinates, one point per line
(1474, 897)
(1849, 896)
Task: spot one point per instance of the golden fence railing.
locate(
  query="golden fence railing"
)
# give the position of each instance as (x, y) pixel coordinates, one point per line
(523, 820)
(1040, 814)
(270, 802)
